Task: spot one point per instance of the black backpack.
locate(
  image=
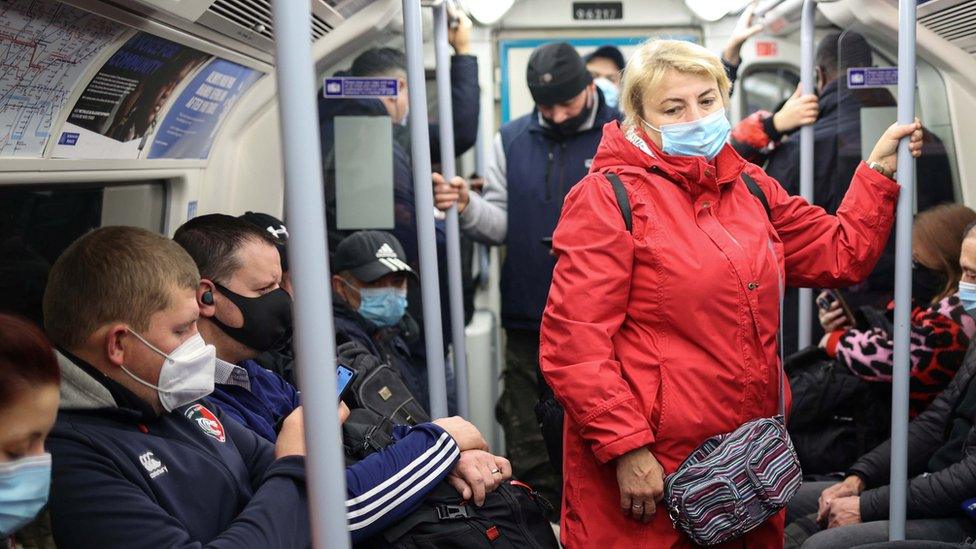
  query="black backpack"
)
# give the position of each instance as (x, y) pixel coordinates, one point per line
(378, 387)
(512, 516)
(548, 411)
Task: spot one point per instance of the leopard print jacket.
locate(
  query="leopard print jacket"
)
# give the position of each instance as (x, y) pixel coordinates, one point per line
(940, 336)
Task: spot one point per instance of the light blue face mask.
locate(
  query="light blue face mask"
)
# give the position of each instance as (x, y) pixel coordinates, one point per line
(611, 95)
(703, 137)
(967, 295)
(24, 485)
(383, 306)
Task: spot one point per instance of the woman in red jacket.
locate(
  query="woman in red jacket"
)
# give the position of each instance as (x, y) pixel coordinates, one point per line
(658, 338)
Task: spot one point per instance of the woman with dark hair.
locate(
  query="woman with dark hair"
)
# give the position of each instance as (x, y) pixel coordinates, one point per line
(941, 330)
(29, 396)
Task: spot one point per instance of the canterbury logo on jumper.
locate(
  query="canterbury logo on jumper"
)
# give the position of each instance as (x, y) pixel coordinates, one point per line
(388, 257)
(152, 465)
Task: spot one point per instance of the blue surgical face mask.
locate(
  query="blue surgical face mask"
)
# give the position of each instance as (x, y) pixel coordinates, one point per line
(967, 295)
(703, 137)
(611, 95)
(24, 485)
(383, 306)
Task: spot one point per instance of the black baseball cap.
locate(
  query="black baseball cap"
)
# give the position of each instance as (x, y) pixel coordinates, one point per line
(556, 73)
(370, 255)
(275, 228)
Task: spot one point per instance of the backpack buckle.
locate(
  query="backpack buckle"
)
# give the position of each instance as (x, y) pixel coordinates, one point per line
(451, 512)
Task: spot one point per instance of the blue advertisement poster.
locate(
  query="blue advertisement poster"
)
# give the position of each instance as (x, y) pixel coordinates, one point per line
(191, 124)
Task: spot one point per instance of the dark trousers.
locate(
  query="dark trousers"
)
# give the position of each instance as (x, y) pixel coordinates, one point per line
(515, 412)
(802, 530)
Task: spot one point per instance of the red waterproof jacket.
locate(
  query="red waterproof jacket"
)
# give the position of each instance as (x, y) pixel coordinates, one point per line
(667, 336)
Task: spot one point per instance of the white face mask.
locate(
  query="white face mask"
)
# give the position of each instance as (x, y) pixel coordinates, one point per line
(187, 374)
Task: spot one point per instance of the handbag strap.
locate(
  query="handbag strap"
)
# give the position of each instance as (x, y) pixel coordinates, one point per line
(781, 407)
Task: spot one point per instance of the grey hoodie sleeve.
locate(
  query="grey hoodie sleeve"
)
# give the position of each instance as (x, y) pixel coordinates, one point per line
(485, 219)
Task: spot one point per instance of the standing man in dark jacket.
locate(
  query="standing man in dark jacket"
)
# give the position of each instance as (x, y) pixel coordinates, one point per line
(537, 159)
(138, 461)
(837, 152)
(941, 469)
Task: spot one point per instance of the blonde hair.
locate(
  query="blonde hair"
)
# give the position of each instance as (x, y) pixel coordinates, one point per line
(649, 65)
(113, 274)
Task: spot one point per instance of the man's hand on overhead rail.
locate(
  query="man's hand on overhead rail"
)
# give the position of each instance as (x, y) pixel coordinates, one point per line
(746, 27)
(447, 193)
(459, 32)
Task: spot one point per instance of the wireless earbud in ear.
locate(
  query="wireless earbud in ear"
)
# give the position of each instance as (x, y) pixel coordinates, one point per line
(207, 298)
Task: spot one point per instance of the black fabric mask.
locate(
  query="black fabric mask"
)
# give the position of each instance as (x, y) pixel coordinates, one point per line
(571, 126)
(267, 319)
(926, 284)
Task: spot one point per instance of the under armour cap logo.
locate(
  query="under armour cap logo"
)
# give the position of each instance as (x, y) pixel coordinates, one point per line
(388, 257)
(547, 77)
(279, 232)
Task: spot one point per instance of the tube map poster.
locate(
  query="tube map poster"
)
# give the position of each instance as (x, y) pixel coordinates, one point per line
(45, 49)
(117, 112)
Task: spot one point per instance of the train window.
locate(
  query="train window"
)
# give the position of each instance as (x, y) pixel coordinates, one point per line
(38, 222)
(764, 88)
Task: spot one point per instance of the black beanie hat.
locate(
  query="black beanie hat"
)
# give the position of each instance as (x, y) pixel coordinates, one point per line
(556, 73)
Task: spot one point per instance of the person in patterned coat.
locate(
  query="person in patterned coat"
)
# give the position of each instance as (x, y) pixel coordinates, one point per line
(941, 330)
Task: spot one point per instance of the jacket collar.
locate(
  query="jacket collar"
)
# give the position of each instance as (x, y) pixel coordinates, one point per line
(629, 149)
(85, 388)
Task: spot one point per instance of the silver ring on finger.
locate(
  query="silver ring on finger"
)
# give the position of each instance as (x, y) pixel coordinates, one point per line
(496, 471)
(637, 506)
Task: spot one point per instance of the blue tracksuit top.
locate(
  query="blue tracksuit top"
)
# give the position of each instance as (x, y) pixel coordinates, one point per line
(263, 407)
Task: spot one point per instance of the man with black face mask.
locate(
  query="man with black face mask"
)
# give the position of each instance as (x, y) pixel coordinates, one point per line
(537, 159)
(243, 313)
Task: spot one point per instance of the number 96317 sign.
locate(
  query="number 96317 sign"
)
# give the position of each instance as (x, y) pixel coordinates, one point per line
(597, 11)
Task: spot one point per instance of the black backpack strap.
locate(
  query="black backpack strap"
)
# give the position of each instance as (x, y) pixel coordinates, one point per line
(622, 201)
(428, 513)
(757, 192)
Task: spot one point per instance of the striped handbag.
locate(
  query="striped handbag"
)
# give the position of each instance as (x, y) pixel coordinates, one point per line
(735, 481)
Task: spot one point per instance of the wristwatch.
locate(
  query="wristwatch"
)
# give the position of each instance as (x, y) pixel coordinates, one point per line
(879, 167)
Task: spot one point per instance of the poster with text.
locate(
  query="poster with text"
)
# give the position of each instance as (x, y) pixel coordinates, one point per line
(191, 124)
(45, 49)
(118, 111)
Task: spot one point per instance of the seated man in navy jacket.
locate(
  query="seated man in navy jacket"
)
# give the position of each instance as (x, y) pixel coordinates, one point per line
(141, 462)
(243, 313)
(138, 461)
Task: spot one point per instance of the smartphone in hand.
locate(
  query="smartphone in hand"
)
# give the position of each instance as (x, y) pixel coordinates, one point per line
(826, 301)
(344, 379)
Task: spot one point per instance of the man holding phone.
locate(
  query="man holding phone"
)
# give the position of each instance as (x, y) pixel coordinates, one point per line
(241, 314)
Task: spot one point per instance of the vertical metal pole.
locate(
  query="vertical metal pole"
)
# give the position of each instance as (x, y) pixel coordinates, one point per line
(424, 203)
(445, 117)
(808, 85)
(903, 275)
(309, 260)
